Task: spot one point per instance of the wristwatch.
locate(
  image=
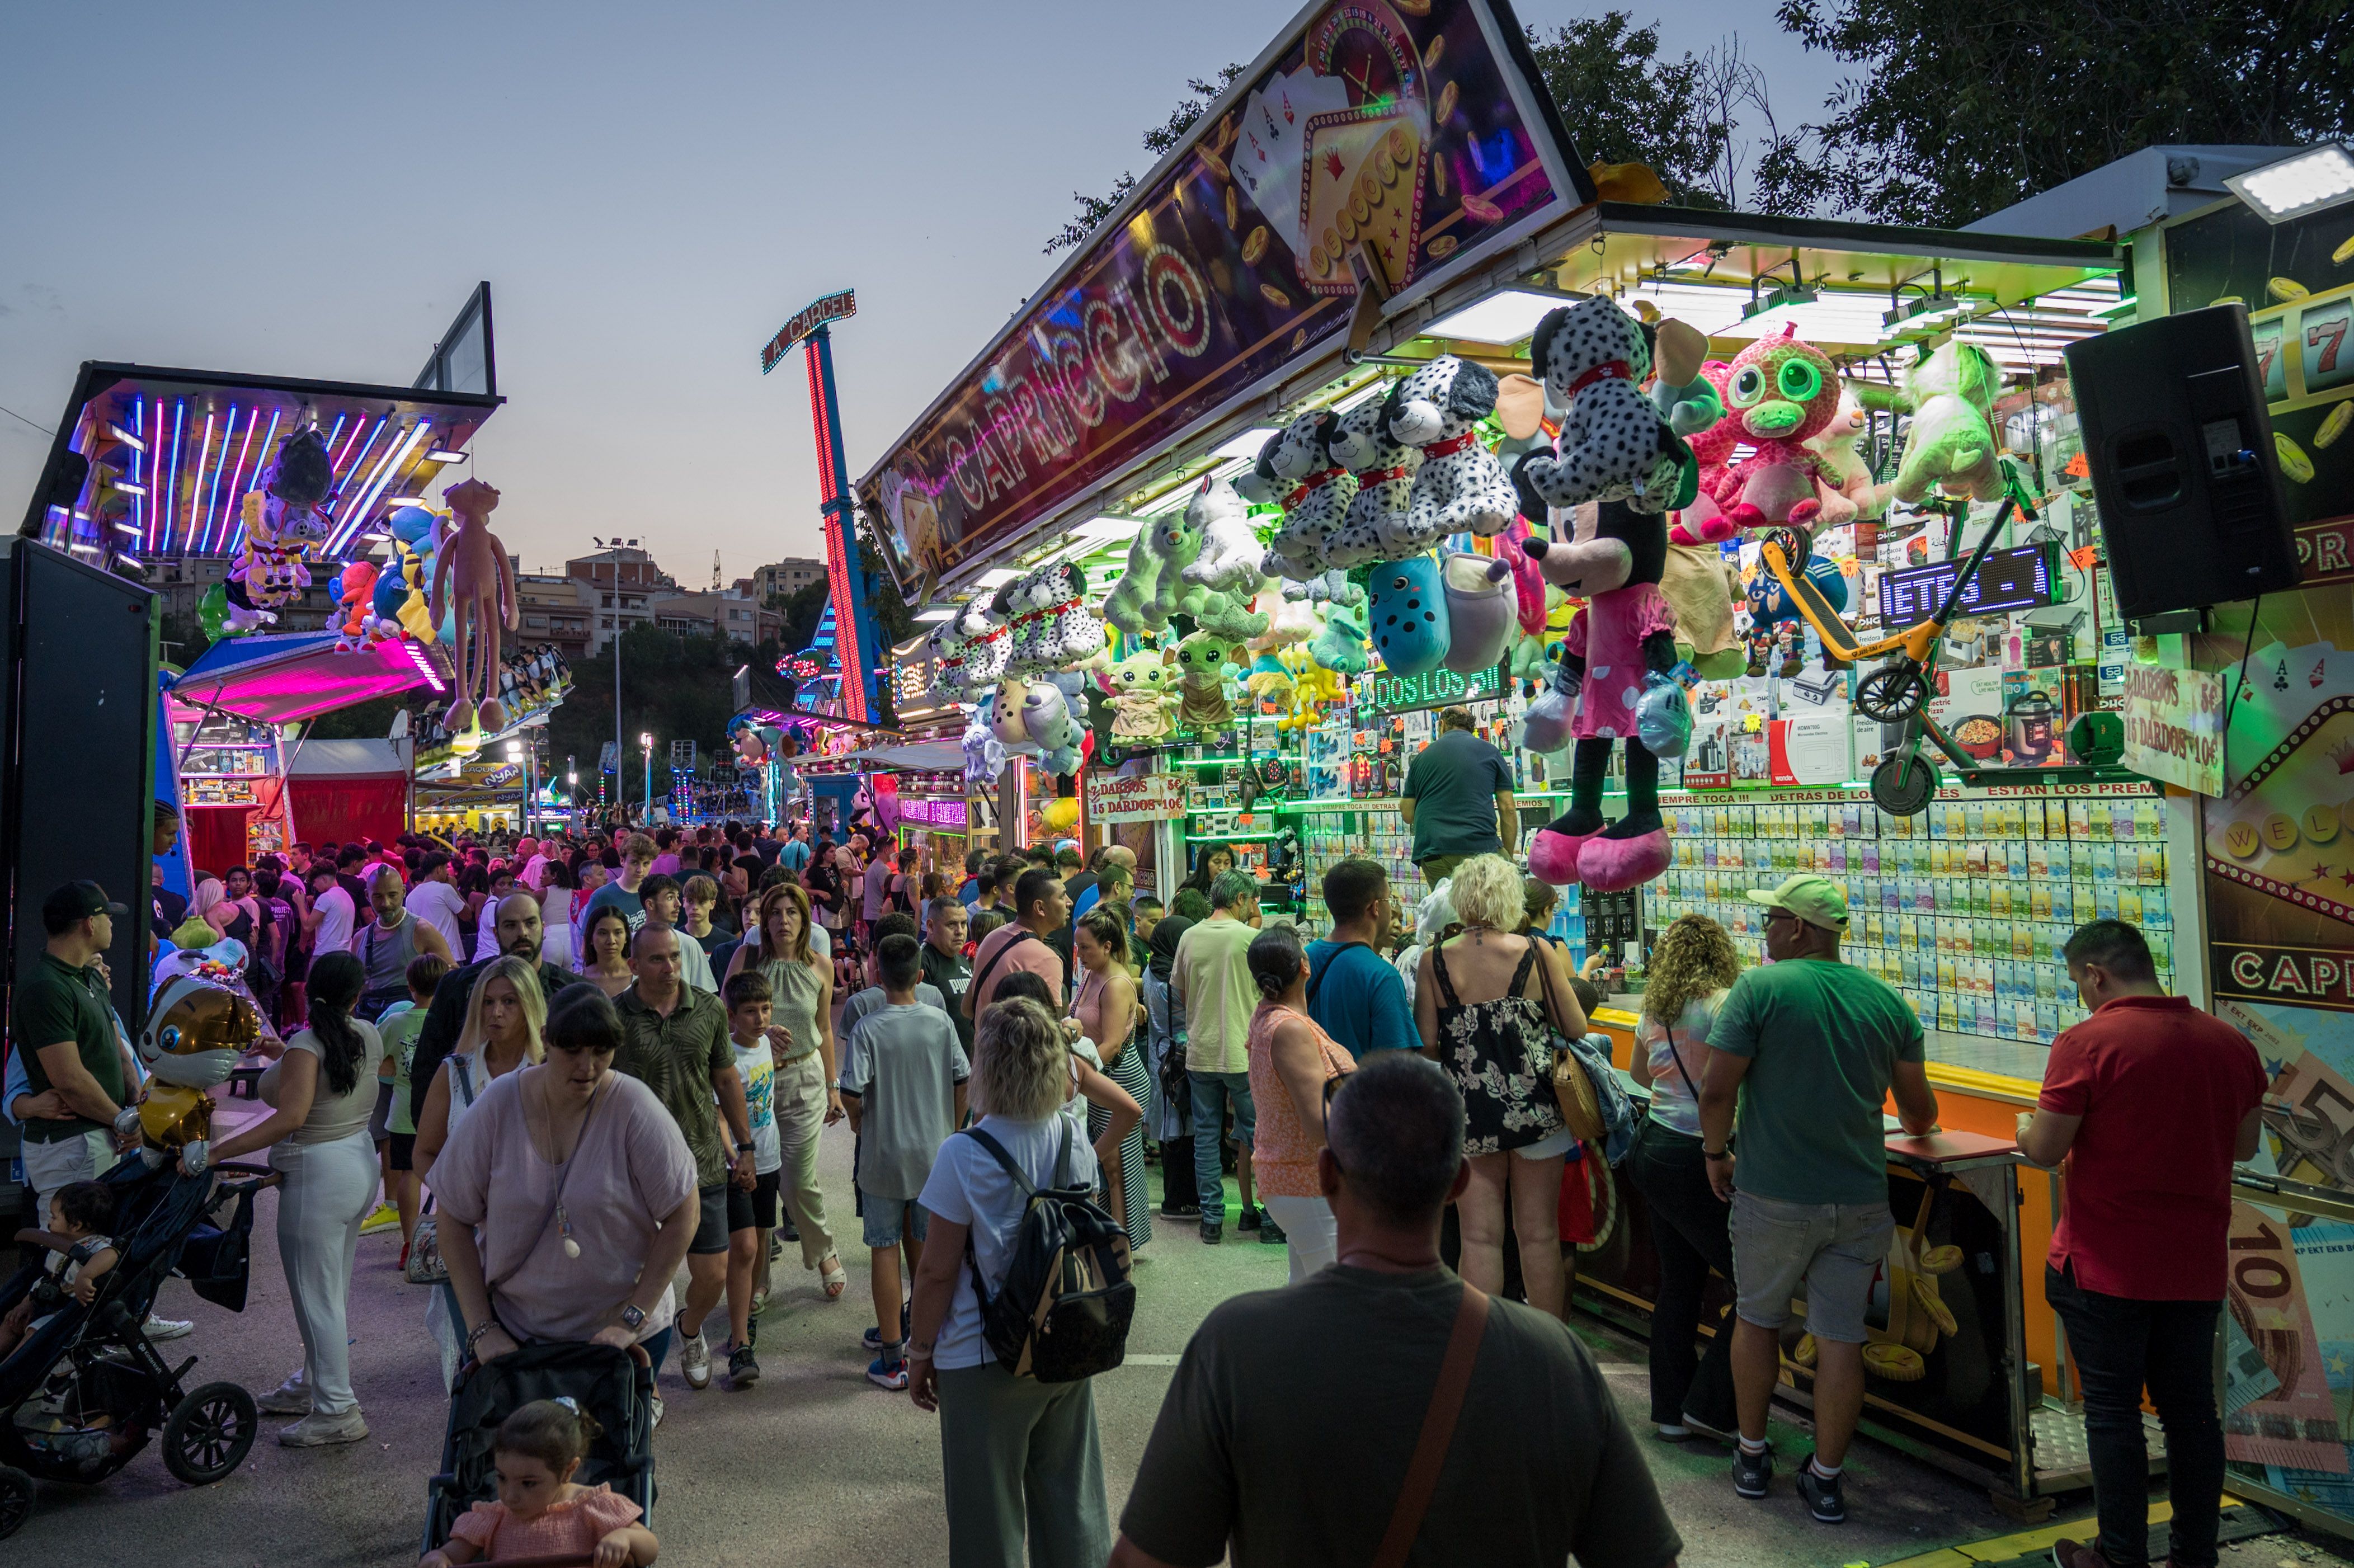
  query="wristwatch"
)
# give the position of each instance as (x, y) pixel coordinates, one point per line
(634, 1317)
(743, 1148)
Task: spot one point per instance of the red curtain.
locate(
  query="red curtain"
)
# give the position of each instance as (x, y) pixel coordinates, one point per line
(215, 837)
(335, 808)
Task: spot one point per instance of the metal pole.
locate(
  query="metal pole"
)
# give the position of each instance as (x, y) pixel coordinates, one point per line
(646, 801)
(621, 793)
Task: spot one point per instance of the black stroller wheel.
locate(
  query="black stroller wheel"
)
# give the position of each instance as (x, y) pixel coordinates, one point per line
(15, 1500)
(207, 1434)
(1904, 785)
(1892, 693)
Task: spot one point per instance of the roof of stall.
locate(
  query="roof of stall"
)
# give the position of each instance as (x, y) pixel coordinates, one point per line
(280, 677)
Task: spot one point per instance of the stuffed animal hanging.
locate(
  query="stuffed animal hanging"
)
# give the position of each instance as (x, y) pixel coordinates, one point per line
(1614, 445)
(1075, 632)
(1201, 661)
(1701, 521)
(1408, 616)
(1781, 393)
(1615, 663)
(1842, 478)
(1481, 610)
(1230, 551)
(1375, 527)
(282, 523)
(473, 589)
(1340, 646)
(1461, 487)
(1149, 589)
(1299, 466)
(1951, 446)
(1141, 701)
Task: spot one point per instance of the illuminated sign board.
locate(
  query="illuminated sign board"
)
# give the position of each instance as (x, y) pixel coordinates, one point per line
(2016, 579)
(932, 813)
(832, 307)
(1382, 691)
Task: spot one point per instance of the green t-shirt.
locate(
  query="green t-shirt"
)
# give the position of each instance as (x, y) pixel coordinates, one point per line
(55, 1003)
(399, 1026)
(1823, 1039)
(1453, 783)
(675, 1057)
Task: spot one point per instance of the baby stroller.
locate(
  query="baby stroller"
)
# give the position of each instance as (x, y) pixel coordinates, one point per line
(616, 1388)
(82, 1393)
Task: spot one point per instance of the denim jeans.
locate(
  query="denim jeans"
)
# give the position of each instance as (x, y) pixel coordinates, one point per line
(1692, 1230)
(2120, 1346)
(1211, 1091)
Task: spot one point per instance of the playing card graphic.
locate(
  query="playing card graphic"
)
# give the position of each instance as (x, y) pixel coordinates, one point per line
(1365, 183)
(1267, 154)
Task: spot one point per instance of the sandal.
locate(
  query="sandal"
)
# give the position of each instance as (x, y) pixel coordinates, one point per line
(831, 1273)
(759, 1302)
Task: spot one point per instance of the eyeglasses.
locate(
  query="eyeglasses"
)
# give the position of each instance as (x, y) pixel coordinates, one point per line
(1774, 915)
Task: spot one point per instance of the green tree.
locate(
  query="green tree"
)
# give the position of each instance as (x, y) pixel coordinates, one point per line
(1955, 111)
(673, 687)
(1160, 140)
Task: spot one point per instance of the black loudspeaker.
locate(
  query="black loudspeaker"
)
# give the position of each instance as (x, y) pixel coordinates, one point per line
(76, 754)
(2184, 465)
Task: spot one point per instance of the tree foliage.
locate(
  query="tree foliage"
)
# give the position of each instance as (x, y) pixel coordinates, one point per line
(1955, 111)
(673, 687)
(1160, 140)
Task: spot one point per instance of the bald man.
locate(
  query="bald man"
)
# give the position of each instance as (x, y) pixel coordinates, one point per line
(519, 935)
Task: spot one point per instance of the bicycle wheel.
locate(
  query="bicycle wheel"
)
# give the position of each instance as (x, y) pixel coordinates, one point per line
(1904, 785)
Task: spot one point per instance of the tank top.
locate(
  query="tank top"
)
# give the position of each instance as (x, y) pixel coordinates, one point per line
(1283, 1162)
(793, 989)
(1500, 1053)
(386, 955)
(1088, 1005)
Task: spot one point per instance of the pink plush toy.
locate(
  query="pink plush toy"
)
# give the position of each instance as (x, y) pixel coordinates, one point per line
(474, 563)
(1528, 578)
(1703, 522)
(1782, 393)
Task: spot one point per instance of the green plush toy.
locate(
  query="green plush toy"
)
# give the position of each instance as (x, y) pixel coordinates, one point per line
(1950, 395)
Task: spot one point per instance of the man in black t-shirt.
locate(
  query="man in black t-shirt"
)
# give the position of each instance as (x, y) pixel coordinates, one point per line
(946, 969)
(1289, 1430)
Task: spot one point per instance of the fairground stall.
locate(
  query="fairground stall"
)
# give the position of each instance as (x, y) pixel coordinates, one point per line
(1325, 429)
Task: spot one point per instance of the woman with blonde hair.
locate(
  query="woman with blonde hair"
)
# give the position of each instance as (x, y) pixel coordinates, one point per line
(1692, 968)
(506, 1016)
(1487, 1001)
(1021, 1458)
(801, 990)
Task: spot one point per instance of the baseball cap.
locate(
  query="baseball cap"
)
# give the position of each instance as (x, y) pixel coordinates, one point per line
(1817, 900)
(79, 901)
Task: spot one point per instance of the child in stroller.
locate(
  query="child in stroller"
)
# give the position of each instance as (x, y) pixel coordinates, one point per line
(541, 1511)
(84, 1389)
(78, 1212)
(599, 1436)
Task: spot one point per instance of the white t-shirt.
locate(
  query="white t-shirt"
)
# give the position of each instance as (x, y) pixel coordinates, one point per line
(439, 905)
(968, 1187)
(757, 1067)
(336, 921)
(535, 875)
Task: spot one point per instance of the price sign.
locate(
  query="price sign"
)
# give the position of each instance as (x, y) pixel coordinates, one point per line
(1382, 691)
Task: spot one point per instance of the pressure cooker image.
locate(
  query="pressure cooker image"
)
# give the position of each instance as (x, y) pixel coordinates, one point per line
(2033, 721)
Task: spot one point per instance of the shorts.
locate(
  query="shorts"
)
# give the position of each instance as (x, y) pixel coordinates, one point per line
(1833, 1249)
(380, 1119)
(402, 1156)
(743, 1204)
(886, 1218)
(711, 1229)
(763, 1200)
(1553, 1146)
(61, 1162)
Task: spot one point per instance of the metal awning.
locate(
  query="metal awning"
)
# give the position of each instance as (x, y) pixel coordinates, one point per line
(278, 677)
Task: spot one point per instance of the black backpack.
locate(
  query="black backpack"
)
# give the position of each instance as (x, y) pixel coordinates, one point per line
(1063, 1310)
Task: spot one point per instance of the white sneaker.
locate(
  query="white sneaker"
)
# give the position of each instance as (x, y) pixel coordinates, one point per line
(316, 1431)
(656, 1406)
(694, 1359)
(292, 1397)
(159, 1328)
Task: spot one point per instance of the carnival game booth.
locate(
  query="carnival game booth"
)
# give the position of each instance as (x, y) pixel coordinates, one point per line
(1300, 446)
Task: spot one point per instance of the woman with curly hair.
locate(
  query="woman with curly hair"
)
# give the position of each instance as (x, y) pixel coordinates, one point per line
(1692, 968)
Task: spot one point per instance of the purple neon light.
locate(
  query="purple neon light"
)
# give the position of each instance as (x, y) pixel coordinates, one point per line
(210, 516)
(344, 472)
(336, 465)
(138, 502)
(197, 485)
(172, 494)
(237, 500)
(385, 474)
(222, 523)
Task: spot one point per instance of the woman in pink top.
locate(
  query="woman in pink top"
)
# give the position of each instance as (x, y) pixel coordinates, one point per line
(1293, 1063)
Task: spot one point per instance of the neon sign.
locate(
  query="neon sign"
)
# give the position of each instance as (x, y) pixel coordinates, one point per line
(832, 307)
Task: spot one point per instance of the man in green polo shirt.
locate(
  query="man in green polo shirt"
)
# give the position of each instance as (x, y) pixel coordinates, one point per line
(64, 1027)
(674, 1041)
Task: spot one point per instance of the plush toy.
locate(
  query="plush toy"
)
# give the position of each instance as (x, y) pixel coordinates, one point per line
(1775, 618)
(1224, 616)
(283, 522)
(984, 754)
(1842, 477)
(1076, 633)
(1700, 589)
(1230, 551)
(1528, 582)
(1268, 683)
(1005, 710)
(1461, 487)
(1376, 525)
(355, 606)
(1289, 620)
(1951, 446)
(1701, 521)
(1340, 646)
(1201, 661)
(1617, 658)
(1408, 616)
(1026, 605)
(1614, 445)
(201, 1020)
(1047, 721)
(1148, 592)
(1141, 701)
(1481, 610)
(474, 585)
(1782, 393)
(1297, 465)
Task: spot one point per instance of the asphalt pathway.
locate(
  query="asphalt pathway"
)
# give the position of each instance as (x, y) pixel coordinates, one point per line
(815, 1465)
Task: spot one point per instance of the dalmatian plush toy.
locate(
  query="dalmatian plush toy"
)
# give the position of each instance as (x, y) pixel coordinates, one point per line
(1076, 633)
(1460, 486)
(1316, 492)
(1375, 527)
(1613, 444)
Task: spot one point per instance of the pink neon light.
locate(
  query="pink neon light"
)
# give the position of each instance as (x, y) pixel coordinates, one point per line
(385, 473)
(196, 486)
(349, 492)
(211, 514)
(138, 502)
(172, 494)
(224, 524)
(336, 464)
(237, 499)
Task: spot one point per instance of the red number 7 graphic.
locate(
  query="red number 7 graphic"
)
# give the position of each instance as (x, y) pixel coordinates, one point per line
(2335, 331)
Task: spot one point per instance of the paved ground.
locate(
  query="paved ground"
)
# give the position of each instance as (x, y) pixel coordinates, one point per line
(816, 1467)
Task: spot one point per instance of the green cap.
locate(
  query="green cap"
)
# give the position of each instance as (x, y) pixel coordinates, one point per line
(1817, 900)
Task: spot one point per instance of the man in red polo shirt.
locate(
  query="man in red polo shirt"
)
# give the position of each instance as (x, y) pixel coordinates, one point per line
(2150, 1102)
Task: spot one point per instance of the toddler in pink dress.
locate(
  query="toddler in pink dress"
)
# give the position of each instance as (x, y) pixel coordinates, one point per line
(540, 1511)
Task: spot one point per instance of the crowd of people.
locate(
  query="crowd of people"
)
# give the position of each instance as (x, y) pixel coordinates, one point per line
(573, 1070)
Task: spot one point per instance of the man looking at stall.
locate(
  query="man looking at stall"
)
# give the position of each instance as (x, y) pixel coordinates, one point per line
(1809, 1047)
(622, 894)
(1354, 994)
(1457, 799)
(2150, 1102)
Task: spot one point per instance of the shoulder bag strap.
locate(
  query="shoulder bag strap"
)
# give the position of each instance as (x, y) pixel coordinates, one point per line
(980, 979)
(462, 1073)
(973, 1262)
(1439, 968)
(1437, 1429)
(1316, 980)
(1544, 981)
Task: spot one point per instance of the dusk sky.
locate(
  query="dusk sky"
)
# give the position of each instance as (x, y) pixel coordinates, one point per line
(314, 190)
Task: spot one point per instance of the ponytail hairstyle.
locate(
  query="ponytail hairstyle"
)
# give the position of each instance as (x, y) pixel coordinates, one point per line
(1276, 960)
(335, 983)
(1109, 930)
(555, 1432)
